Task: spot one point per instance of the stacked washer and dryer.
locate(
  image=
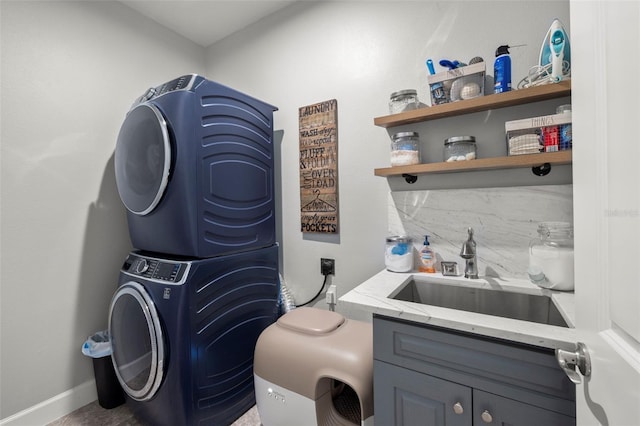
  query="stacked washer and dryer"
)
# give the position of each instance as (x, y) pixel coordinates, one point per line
(195, 170)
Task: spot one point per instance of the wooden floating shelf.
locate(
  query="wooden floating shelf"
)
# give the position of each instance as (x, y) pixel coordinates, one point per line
(482, 103)
(495, 163)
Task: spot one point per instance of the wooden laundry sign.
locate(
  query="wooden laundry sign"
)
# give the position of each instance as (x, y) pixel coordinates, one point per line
(318, 126)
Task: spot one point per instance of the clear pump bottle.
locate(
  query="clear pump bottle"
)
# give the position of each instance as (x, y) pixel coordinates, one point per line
(427, 258)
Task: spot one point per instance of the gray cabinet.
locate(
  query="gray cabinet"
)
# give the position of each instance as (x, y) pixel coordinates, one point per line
(432, 376)
(405, 397)
(498, 410)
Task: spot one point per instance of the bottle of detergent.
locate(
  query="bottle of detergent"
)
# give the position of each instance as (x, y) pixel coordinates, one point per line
(427, 261)
(502, 70)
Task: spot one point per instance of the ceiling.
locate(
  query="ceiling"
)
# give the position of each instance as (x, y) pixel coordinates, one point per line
(206, 21)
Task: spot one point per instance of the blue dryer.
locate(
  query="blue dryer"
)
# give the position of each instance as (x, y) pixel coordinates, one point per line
(194, 167)
(184, 332)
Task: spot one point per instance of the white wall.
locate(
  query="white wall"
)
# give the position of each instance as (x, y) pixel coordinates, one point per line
(358, 53)
(70, 71)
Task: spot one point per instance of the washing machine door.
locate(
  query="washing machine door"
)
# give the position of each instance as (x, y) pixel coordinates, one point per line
(138, 348)
(142, 159)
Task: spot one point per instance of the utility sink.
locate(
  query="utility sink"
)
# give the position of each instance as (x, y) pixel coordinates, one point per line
(501, 303)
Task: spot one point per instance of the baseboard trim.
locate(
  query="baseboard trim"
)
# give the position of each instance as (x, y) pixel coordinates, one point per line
(54, 408)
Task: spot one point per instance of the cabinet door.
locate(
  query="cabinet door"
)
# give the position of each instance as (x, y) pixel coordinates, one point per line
(490, 409)
(404, 397)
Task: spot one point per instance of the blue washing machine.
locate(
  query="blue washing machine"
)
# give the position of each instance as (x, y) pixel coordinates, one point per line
(184, 332)
(194, 167)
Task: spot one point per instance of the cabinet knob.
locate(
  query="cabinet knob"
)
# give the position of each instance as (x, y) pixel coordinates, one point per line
(486, 416)
(457, 408)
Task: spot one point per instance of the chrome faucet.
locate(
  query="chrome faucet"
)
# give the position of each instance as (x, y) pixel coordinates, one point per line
(468, 253)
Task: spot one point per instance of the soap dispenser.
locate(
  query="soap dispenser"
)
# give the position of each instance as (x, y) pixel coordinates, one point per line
(427, 261)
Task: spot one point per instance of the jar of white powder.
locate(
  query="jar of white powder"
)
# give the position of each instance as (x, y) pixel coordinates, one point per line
(398, 255)
(551, 256)
(404, 100)
(405, 149)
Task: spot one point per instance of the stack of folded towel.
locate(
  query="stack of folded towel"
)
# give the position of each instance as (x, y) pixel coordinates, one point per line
(525, 144)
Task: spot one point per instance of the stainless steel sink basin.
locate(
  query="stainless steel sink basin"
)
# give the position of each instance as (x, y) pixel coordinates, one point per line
(507, 304)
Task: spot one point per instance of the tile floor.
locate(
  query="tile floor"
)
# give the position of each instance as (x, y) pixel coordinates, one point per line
(93, 414)
(345, 402)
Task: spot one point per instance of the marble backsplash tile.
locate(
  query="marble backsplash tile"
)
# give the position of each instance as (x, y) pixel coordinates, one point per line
(504, 222)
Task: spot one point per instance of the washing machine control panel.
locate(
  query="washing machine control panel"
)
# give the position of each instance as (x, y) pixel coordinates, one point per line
(166, 271)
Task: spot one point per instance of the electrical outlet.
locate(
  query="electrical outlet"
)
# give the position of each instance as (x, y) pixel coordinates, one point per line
(332, 295)
(327, 266)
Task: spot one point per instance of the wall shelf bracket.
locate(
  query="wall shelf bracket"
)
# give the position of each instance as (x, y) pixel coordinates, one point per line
(410, 178)
(541, 170)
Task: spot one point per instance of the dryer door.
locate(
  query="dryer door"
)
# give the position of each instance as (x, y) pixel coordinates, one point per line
(142, 159)
(138, 348)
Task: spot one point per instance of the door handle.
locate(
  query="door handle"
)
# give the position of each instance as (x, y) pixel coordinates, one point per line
(570, 360)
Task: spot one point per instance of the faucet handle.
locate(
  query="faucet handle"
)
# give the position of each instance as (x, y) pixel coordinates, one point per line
(468, 247)
(468, 252)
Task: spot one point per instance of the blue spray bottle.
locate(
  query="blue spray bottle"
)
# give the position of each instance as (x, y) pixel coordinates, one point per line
(502, 70)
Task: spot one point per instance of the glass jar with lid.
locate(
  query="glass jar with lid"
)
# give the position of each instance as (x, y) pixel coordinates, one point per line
(403, 100)
(459, 148)
(398, 255)
(405, 149)
(551, 256)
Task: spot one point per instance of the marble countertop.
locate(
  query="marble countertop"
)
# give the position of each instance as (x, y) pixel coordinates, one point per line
(372, 296)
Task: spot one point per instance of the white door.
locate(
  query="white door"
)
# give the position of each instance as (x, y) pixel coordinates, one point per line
(605, 43)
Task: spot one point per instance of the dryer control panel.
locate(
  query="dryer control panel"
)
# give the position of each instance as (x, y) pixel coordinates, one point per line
(185, 82)
(161, 270)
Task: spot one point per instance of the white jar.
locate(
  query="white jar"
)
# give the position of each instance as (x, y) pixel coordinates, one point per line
(551, 256)
(398, 255)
